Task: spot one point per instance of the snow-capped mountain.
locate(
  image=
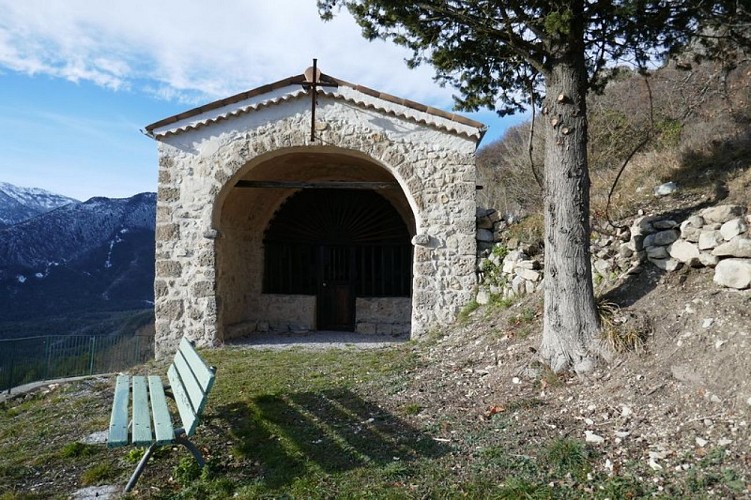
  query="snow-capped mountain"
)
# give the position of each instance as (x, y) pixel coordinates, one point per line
(18, 204)
(91, 256)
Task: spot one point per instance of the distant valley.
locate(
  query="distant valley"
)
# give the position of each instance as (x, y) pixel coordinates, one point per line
(74, 267)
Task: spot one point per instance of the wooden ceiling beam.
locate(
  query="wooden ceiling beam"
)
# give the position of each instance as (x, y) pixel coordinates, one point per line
(316, 185)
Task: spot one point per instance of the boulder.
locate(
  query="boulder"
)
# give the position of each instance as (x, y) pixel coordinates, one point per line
(485, 235)
(625, 250)
(690, 232)
(519, 285)
(495, 259)
(662, 238)
(484, 223)
(528, 264)
(483, 297)
(637, 242)
(528, 274)
(636, 268)
(664, 224)
(516, 255)
(666, 264)
(708, 260)
(603, 267)
(733, 273)
(696, 221)
(657, 252)
(684, 251)
(484, 246)
(740, 246)
(733, 228)
(666, 189)
(643, 225)
(721, 213)
(710, 239)
(483, 212)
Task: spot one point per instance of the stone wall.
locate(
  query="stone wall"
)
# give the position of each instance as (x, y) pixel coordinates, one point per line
(506, 268)
(383, 315)
(715, 237)
(201, 263)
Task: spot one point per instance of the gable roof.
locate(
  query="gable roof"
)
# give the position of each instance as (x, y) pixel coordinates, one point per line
(439, 122)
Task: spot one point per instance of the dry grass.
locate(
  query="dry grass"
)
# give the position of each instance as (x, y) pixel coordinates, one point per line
(622, 332)
(699, 139)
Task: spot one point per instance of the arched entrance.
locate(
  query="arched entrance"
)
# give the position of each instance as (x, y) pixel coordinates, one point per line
(226, 169)
(315, 239)
(337, 244)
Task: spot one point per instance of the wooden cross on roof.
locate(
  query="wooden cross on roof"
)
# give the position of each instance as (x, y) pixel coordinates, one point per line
(312, 82)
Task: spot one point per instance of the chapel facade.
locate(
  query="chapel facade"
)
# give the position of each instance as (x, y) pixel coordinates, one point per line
(312, 204)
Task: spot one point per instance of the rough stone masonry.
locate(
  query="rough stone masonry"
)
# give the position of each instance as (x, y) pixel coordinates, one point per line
(210, 234)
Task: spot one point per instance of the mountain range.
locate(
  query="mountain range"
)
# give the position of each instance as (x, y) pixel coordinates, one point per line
(63, 257)
(18, 204)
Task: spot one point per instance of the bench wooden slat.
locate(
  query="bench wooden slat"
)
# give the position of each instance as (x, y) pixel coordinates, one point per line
(149, 421)
(164, 433)
(141, 427)
(203, 373)
(190, 383)
(118, 431)
(184, 406)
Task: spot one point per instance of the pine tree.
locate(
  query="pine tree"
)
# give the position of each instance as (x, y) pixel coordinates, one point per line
(499, 54)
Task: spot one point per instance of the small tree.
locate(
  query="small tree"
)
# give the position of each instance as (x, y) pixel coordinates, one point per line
(502, 54)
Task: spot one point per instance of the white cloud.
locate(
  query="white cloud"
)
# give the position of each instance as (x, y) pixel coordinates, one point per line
(191, 50)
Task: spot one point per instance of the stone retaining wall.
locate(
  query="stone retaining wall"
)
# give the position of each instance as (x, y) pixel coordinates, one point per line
(717, 237)
(505, 269)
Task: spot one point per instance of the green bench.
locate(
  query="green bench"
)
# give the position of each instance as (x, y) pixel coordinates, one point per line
(149, 423)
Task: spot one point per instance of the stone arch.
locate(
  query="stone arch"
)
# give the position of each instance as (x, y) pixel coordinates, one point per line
(265, 156)
(203, 153)
(242, 215)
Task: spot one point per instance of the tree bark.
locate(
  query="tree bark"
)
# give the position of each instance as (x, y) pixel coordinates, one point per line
(571, 323)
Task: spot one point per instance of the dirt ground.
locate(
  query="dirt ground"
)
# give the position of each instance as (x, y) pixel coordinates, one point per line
(684, 399)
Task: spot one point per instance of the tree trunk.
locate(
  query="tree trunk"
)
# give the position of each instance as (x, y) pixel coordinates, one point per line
(571, 322)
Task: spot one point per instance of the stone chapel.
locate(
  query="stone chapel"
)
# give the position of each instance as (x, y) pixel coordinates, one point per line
(312, 204)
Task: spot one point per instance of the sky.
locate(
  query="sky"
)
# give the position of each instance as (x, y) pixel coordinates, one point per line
(80, 79)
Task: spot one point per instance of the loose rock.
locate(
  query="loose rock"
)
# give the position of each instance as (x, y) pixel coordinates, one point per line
(739, 246)
(733, 273)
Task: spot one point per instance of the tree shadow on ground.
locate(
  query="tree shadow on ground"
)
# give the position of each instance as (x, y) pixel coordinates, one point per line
(634, 287)
(291, 435)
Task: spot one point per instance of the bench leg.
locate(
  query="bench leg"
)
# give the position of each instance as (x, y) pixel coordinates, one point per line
(180, 438)
(139, 468)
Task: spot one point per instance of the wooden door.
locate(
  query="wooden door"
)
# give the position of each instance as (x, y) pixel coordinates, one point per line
(336, 288)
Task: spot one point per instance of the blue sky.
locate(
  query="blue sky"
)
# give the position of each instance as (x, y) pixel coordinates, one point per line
(80, 79)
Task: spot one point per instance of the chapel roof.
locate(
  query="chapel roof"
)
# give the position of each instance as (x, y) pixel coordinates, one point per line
(440, 115)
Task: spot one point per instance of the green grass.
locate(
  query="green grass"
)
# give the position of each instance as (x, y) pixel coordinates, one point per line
(321, 424)
(568, 457)
(467, 310)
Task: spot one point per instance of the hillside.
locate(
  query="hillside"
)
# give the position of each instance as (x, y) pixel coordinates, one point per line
(18, 204)
(82, 257)
(469, 413)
